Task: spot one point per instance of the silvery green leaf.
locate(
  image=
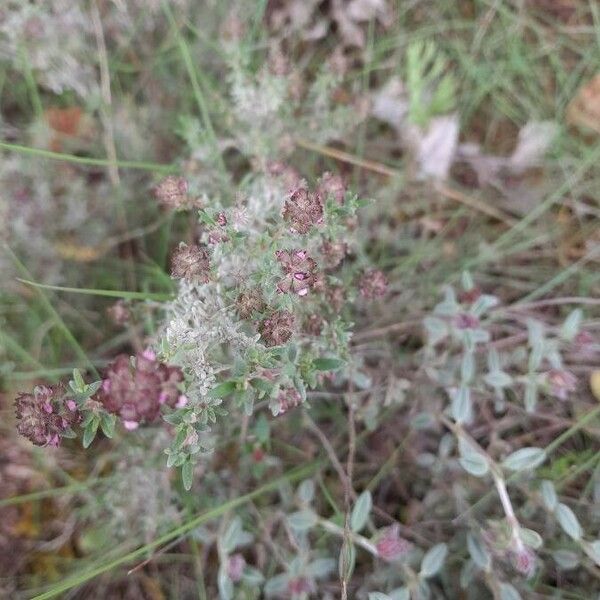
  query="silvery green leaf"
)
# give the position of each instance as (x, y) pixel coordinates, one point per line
(234, 536)
(467, 367)
(468, 339)
(480, 336)
(92, 388)
(531, 395)
(531, 538)
(433, 560)
(548, 493)
(401, 593)
(498, 379)
(493, 361)
(378, 596)
(568, 521)
(571, 325)
(467, 573)
(252, 576)
(89, 433)
(361, 380)
(449, 306)
(225, 584)
(566, 559)
(535, 358)
(592, 549)
(187, 474)
(347, 560)
(423, 590)
(466, 281)
(536, 333)
(478, 552)
(306, 491)
(483, 304)
(426, 460)
(277, 585)
(302, 520)
(447, 444)
(508, 592)
(321, 567)
(422, 420)
(471, 460)
(436, 330)
(361, 510)
(524, 459)
(461, 407)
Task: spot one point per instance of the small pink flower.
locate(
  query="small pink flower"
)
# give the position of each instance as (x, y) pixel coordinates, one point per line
(300, 585)
(149, 354)
(390, 546)
(130, 425)
(71, 405)
(524, 560)
(561, 383)
(466, 321)
(181, 401)
(235, 567)
(299, 270)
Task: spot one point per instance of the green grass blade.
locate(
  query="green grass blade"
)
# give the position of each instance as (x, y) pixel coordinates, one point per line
(79, 351)
(108, 293)
(84, 160)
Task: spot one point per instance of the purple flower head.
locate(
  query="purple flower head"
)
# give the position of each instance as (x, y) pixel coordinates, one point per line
(172, 192)
(313, 325)
(288, 398)
(191, 263)
(332, 185)
(248, 303)
(303, 209)
(290, 176)
(46, 415)
(277, 328)
(466, 321)
(299, 270)
(136, 392)
(334, 253)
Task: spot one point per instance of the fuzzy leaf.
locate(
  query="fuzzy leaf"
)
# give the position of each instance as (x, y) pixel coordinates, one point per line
(478, 552)
(223, 389)
(187, 473)
(327, 364)
(360, 512)
(433, 560)
(568, 521)
(302, 520)
(525, 459)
